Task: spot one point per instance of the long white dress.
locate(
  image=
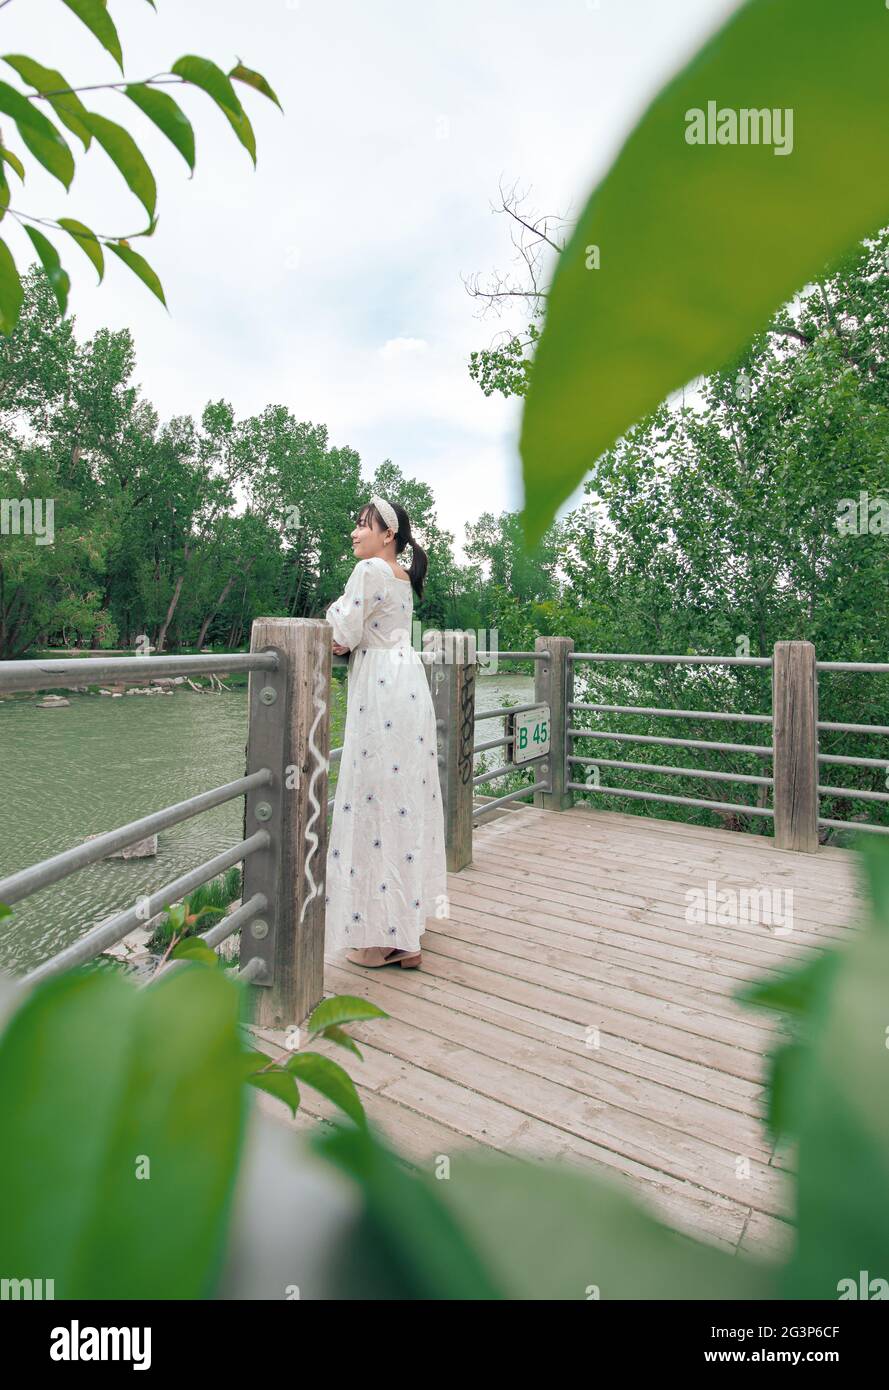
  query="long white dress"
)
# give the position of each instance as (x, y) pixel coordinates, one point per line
(386, 869)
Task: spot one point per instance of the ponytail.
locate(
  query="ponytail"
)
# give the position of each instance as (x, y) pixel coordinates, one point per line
(419, 559)
(419, 566)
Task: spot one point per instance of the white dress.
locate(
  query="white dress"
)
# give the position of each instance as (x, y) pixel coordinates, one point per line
(386, 869)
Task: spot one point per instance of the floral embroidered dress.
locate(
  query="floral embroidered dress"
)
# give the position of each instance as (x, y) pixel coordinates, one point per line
(386, 870)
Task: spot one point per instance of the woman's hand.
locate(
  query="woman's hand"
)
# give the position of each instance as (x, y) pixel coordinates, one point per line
(339, 649)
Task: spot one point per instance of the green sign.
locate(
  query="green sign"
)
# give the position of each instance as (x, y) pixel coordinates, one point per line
(530, 731)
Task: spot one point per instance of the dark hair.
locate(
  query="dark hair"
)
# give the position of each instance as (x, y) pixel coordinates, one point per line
(419, 560)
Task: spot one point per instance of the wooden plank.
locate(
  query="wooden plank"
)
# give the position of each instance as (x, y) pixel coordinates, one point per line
(637, 1059)
(727, 951)
(499, 1095)
(819, 910)
(828, 902)
(585, 1070)
(577, 889)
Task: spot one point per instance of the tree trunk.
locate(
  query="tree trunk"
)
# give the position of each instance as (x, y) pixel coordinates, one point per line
(177, 590)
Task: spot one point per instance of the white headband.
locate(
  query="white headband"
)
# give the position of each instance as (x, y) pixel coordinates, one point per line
(387, 512)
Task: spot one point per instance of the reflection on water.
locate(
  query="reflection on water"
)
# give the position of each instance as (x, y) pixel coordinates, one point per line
(76, 771)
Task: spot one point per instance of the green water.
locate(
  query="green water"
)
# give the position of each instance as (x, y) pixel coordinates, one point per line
(98, 763)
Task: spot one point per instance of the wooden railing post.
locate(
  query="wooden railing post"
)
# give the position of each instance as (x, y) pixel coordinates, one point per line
(795, 745)
(289, 732)
(452, 680)
(554, 685)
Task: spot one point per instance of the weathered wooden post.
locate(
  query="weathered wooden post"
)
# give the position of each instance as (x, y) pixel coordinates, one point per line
(795, 745)
(289, 732)
(554, 685)
(452, 680)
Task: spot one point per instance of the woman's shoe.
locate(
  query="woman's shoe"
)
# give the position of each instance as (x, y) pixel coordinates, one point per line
(374, 956)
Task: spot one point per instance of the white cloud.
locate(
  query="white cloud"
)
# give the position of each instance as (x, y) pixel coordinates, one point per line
(402, 347)
(371, 197)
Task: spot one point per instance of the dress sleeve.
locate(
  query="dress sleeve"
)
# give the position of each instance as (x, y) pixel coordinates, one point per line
(348, 614)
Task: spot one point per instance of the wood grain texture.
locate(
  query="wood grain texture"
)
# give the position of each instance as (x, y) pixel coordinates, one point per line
(567, 1012)
(795, 745)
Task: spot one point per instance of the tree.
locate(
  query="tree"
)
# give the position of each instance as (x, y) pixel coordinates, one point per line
(41, 89)
(536, 238)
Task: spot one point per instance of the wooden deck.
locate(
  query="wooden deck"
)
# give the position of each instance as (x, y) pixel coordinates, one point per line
(568, 1010)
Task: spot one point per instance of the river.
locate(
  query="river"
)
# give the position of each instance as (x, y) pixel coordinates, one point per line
(98, 763)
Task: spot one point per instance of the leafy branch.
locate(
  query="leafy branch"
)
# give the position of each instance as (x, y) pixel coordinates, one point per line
(43, 139)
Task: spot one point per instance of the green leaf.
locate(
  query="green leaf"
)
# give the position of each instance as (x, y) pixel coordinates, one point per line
(14, 160)
(278, 1084)
(122, 149)
(255, 80)
(608, 1247)
(86, 240)
(330, 1079)
(843, 1127)
(874, 862)
(167, 116)
(81, 1117)
(789, 1075)
(97, 19)
(342, 1039)
(39, 134)
(699, 244)
(49, 256)
(68, 107)
(212, 80)
(11, 295)
(251, 1061)
(4, 910)
(420, 1243)
(342, 1008)
(796, 991)
(193, 948)
(4, 191)
(139, 266)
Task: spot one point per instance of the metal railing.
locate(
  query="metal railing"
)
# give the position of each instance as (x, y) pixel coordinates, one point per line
(70, 673)
(283, 846)
(707, 774)
(541, 784)
(852, 793)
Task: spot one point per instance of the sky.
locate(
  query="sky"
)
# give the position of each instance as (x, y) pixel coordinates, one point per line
(329, 279)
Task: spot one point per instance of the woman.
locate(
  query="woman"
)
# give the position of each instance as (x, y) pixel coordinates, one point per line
(386, 869)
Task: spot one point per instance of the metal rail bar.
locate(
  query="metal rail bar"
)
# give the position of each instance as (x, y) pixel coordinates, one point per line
(680, 771)
(855, 825)
(673, 660)
(223, 929)
(507, 709)
(757, 750)
(494, 743)
(110, 932)
(87, 670)
(496, 772)
(27, 881)
(520, 656)
(673, 713)
(854, 728)
(853, 794)
(510, 796)
(852, 666)
(233, 921)
(253, 970)
(881, 763)
(676, 800)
